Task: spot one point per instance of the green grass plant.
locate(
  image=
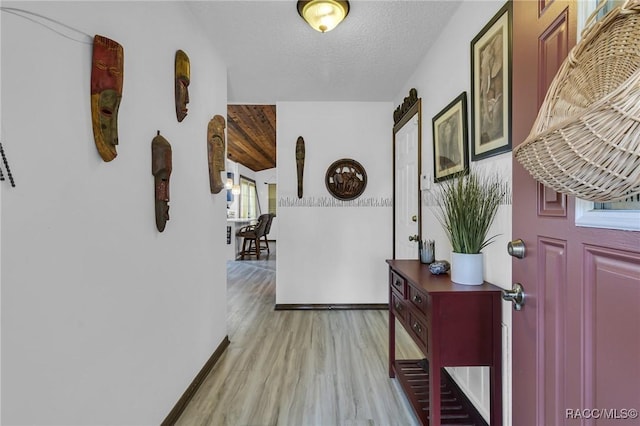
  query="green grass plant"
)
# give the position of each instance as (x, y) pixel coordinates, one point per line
(467, 206)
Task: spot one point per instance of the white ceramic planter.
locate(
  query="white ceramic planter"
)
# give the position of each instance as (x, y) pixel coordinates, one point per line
(467, 268)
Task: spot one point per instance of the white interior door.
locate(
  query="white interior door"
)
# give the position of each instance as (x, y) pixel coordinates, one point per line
(407, 203)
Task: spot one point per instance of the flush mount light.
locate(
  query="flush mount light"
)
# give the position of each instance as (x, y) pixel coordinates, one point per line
(323, 15)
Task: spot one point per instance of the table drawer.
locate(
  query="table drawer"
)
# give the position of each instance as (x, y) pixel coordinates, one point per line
(418, 329)
(399, 284)
(399, 307)
(418, 299)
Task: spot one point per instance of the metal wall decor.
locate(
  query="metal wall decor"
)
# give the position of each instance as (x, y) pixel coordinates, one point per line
(107, 74)
(346, 179)
(331, 202)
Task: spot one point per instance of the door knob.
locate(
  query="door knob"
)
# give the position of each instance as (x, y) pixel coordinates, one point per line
(516, 248)
(414, 218)
(414, 237)
(515, 295)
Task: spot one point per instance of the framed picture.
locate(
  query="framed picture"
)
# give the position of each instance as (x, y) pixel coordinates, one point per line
(450, 140)
(491, 87)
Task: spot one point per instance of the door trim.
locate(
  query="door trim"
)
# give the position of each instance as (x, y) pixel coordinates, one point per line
(416, 108)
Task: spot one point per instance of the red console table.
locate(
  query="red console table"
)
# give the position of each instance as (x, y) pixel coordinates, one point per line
(452, 324)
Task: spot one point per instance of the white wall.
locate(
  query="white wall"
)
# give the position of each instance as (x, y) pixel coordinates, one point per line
(1, 303)
(104, 319)
(443, 74)
(330, 254)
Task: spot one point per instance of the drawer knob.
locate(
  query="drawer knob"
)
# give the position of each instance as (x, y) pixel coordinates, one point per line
(398, 306)
(417, 298)
(417, 327)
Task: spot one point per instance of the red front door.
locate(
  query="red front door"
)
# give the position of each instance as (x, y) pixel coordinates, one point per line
(576, 341)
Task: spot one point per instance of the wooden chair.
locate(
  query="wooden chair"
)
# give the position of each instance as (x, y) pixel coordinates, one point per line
(252, 234)
(264, 242)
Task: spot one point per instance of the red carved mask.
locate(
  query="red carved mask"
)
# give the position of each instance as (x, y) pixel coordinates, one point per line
(107, 74)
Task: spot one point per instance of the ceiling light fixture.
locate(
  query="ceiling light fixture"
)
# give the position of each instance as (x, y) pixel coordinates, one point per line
(323, 15)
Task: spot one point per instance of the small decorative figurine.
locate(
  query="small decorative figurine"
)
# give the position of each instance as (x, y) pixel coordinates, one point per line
(300, 163)
(161, 166)
(215, 152)
(439, 267)
(182, 79)
(106, 92)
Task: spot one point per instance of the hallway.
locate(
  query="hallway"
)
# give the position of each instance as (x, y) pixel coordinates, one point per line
(298, 367)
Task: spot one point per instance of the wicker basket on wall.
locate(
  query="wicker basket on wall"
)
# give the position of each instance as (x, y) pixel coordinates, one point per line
(586, 138)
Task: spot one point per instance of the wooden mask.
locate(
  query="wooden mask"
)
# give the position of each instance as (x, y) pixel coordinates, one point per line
(300, 163)
(161, 166)
(107, 73)
(183, 73)
(215, 151)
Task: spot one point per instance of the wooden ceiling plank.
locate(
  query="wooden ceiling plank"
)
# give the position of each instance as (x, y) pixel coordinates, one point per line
(251, 135)
(248, 143)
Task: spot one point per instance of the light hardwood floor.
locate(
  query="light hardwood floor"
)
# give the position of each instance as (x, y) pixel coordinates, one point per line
(299, 368)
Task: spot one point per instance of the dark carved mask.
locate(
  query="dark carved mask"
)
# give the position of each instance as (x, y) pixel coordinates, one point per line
(216, 150)
(161, 166)
(183, 72)
(106, 91)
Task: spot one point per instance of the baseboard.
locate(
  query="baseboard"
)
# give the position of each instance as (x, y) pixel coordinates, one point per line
(330, 306)
(175, 414)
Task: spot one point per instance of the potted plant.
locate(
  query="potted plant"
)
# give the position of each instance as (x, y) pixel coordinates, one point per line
(467, 206)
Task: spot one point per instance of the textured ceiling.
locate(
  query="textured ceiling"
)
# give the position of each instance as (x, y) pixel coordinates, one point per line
(273, 55)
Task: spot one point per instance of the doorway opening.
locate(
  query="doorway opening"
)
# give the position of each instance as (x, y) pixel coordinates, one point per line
(251, 158)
